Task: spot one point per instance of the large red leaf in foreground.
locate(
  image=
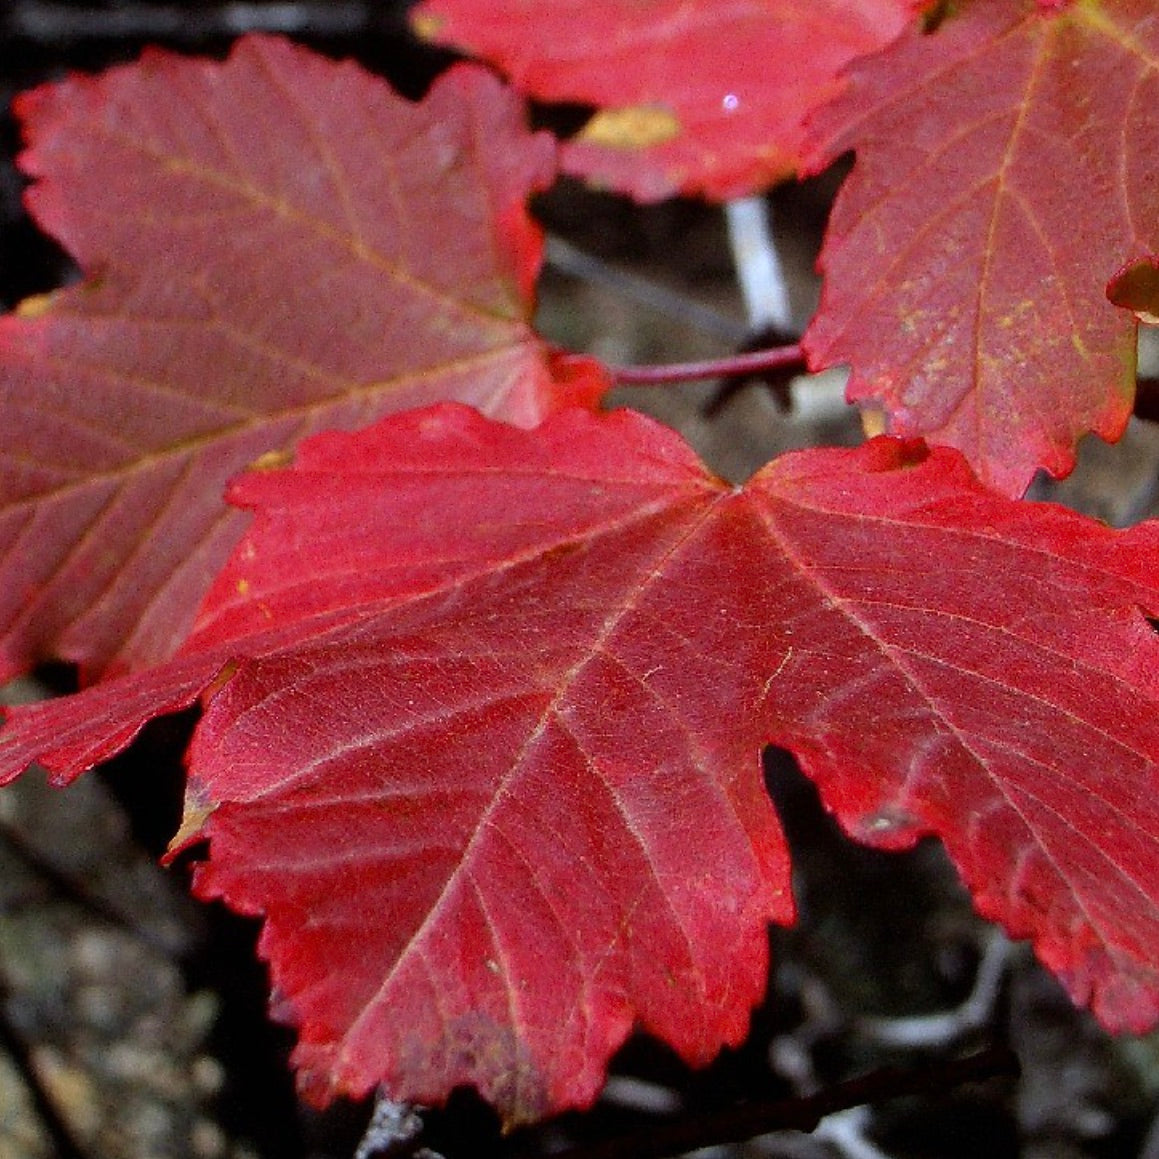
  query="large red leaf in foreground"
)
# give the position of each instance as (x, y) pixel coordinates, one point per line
(485, 754)
(699, 97)
(1005, 170)
(274, 246)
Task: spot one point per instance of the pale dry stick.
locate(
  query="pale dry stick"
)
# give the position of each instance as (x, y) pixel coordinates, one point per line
(641, 1095)
(925, 1031)
(394, 1131)
(799, 1113)
(759, 270)
(845, 1131)
(760, 273)
(791, 1057)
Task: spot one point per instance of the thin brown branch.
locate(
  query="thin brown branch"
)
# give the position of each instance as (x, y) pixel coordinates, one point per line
(735, 1124)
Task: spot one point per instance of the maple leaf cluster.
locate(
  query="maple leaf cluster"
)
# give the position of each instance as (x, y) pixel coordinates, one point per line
(485, 673)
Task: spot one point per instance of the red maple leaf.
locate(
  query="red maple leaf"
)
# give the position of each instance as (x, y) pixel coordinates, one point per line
(696, 98)
(485, 751)
(1005, 170)
(265, 249)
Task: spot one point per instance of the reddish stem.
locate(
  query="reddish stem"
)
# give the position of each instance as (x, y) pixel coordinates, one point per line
(732, 366)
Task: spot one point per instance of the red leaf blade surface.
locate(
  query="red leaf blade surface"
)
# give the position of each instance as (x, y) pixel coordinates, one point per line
(689, 100)
(1003, 174)
(507, 920)
(578, 838)
(493, 778)
(264, 241)
(984, 672)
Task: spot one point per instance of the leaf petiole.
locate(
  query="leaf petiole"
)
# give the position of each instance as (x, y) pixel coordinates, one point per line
(729, 366)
